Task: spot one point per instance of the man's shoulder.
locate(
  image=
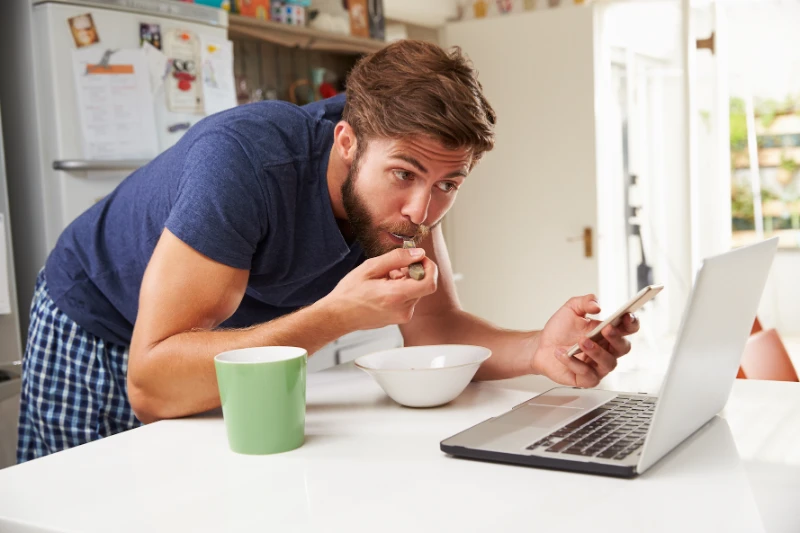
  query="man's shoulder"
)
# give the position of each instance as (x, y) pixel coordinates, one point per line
(272, 131)
(330, 109)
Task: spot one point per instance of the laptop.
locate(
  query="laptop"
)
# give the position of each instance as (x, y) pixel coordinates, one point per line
(622, 434)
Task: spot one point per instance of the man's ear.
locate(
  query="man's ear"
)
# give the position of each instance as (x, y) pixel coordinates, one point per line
(345, 142)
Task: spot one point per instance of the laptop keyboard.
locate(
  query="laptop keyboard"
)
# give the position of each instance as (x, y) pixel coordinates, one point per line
(614, 430)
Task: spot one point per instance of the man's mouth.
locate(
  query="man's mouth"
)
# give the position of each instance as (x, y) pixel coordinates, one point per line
(400, 237)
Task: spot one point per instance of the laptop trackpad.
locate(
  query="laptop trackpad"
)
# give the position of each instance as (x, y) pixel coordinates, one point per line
(538, 416)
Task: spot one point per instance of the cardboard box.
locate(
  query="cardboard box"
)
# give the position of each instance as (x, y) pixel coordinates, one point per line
(359, 17)
(259, 9)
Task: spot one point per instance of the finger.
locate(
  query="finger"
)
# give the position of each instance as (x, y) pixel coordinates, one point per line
(413, 289)
(399, 273)
(588, 325)
(630, 323)
(584, 305)
(583, 357)
(617, 344)
(604, 361)
(579, 368)
(379, 267)
(431, 271)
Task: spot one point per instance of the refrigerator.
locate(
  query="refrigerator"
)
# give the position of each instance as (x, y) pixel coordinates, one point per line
(10, 341)
(58, 164)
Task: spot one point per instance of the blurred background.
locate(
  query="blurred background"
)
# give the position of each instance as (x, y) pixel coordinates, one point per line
(634, 138)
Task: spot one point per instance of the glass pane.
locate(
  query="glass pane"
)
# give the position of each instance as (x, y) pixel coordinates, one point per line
(764, 66)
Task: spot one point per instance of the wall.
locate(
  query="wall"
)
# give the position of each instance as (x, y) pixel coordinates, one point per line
(10, 340)
(421, 12)
(780, 304)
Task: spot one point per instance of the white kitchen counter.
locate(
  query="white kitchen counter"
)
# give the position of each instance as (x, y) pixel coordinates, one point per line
(369, 464)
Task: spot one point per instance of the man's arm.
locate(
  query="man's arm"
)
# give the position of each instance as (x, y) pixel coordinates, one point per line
(439, 319)
(185, 296)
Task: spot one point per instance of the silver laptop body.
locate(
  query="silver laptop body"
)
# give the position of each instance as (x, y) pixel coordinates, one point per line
(622, 434)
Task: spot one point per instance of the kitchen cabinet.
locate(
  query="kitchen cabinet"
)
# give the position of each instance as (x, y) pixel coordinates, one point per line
(353, 345)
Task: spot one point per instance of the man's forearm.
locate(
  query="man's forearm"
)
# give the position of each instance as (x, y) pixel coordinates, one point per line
(511, 350)
(176, 377)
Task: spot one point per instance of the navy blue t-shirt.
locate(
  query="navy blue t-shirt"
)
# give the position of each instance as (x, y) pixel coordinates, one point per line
(246, 187)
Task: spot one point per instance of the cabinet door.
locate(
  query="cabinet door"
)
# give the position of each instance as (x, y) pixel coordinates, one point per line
(385, 342)
(516, 232)
(324, 358)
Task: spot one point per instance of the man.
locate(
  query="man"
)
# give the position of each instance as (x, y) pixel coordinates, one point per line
(271, 224)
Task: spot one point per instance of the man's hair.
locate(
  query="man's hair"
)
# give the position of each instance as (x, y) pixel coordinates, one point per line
(411, 88)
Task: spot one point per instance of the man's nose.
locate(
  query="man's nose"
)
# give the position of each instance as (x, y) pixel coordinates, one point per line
(416, 209)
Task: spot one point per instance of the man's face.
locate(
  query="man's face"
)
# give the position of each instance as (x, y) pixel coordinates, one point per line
(399, 189)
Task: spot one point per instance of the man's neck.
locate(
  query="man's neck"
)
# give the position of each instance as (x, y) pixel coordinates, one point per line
(336, 174)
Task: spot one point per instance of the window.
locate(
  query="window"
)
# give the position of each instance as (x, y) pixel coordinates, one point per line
(777, 126)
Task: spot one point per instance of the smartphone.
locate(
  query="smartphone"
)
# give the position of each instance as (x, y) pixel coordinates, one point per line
(635, 303)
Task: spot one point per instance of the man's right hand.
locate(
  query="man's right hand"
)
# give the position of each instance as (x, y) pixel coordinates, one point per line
(371, 296)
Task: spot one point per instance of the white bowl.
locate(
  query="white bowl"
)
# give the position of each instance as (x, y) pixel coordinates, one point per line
(424, 376)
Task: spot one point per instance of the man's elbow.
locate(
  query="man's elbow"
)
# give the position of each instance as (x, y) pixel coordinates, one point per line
(146, 405)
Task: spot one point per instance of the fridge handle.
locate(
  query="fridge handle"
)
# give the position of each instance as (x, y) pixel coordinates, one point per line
(71, 165)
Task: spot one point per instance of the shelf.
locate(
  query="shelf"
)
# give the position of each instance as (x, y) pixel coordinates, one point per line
(300, 37)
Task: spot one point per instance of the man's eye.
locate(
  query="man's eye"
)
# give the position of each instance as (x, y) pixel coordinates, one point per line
(447, 186)
(403, 175)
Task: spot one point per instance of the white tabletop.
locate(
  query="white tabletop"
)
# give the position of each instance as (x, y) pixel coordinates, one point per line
(369, 464)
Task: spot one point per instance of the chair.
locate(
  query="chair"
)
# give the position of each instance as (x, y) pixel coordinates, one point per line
(765, 357)
(755, 329)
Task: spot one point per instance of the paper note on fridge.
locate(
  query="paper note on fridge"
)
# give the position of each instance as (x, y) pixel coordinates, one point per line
(115, 103)
(5, 294)
(183, 87)
(158, 65)
(219, 90)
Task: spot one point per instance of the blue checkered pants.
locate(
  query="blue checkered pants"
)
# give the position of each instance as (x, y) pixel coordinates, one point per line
(73, 383)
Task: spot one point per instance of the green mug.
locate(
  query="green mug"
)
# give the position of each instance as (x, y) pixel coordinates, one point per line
(263, 394)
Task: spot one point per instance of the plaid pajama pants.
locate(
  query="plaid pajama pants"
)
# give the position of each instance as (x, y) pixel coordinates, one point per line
(73, 383)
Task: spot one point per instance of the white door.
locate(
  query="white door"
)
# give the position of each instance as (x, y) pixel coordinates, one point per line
(516, 231)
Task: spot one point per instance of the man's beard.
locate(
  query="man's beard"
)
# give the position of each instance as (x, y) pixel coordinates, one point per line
(361, 221)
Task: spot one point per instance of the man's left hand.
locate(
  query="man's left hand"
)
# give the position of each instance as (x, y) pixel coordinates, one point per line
(570, 325)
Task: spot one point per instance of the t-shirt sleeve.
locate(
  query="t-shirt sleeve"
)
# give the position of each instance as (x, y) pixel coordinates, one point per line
(220, 209)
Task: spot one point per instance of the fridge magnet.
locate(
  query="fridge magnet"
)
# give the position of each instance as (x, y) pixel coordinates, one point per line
(180, 126)
(83, 30)
(183, 85)
(150, 33)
